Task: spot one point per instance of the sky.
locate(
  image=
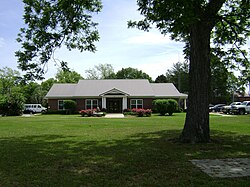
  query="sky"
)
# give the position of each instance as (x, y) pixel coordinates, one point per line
(119, 46)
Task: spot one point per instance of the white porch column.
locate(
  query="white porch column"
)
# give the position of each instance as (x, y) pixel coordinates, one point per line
(104, 102)
(124, 103)
(185, 104)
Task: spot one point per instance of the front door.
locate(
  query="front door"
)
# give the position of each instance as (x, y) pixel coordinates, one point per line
(114, 105)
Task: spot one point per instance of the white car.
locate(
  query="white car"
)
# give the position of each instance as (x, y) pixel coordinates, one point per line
(227, 109)
(241, 109)
(34, 108)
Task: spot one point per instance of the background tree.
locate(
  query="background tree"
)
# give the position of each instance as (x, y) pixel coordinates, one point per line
(193, 22)
(8, 79)
(69, 76)
(132, 73)
(29, 90)
(178, 75)
(101, 71)
(11, 96)
(161, 79)
(47, 84)
(51, 24)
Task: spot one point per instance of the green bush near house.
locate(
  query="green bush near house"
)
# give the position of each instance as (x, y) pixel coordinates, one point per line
(70, 106)
(164, 106)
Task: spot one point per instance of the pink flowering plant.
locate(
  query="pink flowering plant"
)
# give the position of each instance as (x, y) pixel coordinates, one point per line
(87, 112)
(140, 112)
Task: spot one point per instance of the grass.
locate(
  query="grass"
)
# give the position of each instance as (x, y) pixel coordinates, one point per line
(59, 150)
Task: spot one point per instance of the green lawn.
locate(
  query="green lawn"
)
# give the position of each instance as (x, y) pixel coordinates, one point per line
(60, 150)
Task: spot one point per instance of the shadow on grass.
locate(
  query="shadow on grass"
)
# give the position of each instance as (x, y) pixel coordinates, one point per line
(148, 159)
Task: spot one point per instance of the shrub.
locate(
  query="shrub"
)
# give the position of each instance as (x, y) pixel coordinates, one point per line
(148, 112)
(161, 106)
(140, 112)
(87, 112)
(172, 106)
(12, 104)
(164, 106)
(69, 106)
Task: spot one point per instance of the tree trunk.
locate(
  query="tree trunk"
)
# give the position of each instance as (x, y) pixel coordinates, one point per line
(196, 128)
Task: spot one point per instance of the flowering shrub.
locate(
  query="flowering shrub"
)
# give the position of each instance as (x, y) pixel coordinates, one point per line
(148, 112)
(140, 112)
(87, 112)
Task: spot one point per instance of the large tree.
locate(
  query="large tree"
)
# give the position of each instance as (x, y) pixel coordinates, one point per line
(194, 21)
(178, 75)
(101, 71)
(67, 76)
(51, 24)
(132, 73)
(11, 96)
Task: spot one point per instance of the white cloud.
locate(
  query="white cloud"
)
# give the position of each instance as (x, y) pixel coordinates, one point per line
(1, 42)
(148, 38)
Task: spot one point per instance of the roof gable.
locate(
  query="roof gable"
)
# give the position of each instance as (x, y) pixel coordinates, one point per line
(114, 91)
(166, 90)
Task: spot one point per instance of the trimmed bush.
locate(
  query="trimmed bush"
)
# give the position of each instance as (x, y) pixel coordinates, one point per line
(164, 106)
(161, 106)
(69, 106)
(172, 106)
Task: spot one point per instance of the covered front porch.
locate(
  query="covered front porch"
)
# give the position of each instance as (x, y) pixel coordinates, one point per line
(115, 101)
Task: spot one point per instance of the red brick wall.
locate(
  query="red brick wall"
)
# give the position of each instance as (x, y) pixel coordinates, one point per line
(53, 104)
(80, 103)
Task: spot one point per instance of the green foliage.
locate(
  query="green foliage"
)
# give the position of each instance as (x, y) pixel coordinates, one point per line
(11, 96)
(178, 75)
(51, 24)
(172, 106)
(46, 85)
(69, 76)
(132, 73)
(164, 106)
(101, 71)
(12, 104)
(161, 79)
(69, 105)
(8, 79)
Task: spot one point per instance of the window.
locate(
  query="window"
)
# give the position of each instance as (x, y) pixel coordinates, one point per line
(91, 103)
(136, 103)
(60, 105)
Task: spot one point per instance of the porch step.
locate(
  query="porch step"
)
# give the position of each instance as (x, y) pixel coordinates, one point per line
(114, 116)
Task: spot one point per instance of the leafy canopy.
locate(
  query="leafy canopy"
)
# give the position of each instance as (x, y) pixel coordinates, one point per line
(229, 21)
(51, 24)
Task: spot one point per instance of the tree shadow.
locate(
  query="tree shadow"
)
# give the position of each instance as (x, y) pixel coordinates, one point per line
(146, 159)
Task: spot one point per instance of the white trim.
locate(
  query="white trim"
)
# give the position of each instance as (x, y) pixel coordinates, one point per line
(124, 103)
(58, 105)
(114, 91)
(91, 103)
(136, 102)
(104, 102)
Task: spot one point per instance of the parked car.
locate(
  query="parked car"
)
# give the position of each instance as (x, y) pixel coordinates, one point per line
(216, 108)
(241, 109)
(34, 108)
(227, 109)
